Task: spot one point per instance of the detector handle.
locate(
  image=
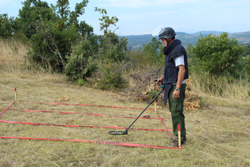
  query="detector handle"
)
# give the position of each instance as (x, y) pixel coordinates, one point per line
(162, 85)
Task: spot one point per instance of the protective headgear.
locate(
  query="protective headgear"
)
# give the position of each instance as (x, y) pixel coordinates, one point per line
(167, 33)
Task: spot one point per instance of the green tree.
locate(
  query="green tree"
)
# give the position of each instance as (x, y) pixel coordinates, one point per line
(52, 31)
(7, 26)
(112, 51)
(81, 62)
(106, 21)
(217, 55)
(153, 51)
(189, 50)
(247, 67)
(32, 11)
(111, 46)
(246, 51)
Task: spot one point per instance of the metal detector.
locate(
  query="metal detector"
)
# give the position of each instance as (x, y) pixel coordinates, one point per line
(125, 132)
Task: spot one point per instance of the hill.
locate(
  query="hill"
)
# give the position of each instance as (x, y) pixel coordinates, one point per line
(207, 32)
(135, 41)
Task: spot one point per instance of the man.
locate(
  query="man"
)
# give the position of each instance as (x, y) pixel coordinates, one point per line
(175, 73)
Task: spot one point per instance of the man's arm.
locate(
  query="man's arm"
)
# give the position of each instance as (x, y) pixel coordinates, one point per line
(181, 75)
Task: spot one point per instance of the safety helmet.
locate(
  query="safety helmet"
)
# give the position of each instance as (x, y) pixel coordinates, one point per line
(167, 33)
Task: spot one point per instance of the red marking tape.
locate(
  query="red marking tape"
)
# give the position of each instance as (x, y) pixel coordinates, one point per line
(91, 141)
(92, 105)
(6, 109)
(163, 125)
(64, 112)
(15, 89)
(79, 126)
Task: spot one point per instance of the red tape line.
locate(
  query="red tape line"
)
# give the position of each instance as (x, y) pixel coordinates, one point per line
(81, 126)
(64, 112)
(91, 141)
(6, 109)
(163, 123)
(92, 105)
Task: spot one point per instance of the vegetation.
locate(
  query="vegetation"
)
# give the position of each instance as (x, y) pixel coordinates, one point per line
(8, 26)
(217, 55)
(217, 133)
(51, 56)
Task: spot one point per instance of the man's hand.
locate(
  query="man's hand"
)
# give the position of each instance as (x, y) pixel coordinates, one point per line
(176, 94)
(159, 81)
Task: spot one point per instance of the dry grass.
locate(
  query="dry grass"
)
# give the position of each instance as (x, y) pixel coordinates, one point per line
(217, 136)
(235, 94)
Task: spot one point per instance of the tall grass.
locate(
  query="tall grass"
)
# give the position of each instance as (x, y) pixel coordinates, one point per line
(13, 61)
(12, 55)
(232, 91)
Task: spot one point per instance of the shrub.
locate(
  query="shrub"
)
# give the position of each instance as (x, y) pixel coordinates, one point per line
(217, 55)
(81, 64)
(111, 76)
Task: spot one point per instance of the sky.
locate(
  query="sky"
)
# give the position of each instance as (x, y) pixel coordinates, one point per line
(137, 17)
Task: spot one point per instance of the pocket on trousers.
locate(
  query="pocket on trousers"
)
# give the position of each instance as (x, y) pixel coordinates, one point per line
(176, 106)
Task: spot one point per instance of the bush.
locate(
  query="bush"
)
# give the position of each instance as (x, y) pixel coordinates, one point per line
(111, 76)
(217, 55)
(247, 67)
(81, 64)
(52, 31)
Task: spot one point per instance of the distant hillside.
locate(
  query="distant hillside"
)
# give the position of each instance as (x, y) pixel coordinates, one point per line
(242, 37)
(135, 41)
(207, 32)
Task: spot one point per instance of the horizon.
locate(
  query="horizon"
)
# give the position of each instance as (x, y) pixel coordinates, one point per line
(144, 16)
(196, 33)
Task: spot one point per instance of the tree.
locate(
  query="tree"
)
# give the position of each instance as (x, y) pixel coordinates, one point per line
(246, 51)
(217, 55)
(32, 11)
(153, 51)
(106, 21)
(81, 62)
(247, 67)
(52, 31)
(111, 46)
(189, 50)
(7, 26)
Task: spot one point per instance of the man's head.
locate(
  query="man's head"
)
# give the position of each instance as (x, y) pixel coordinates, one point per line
(167, 35)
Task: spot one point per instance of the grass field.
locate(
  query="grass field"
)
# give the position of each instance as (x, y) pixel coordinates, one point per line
(218, 134)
